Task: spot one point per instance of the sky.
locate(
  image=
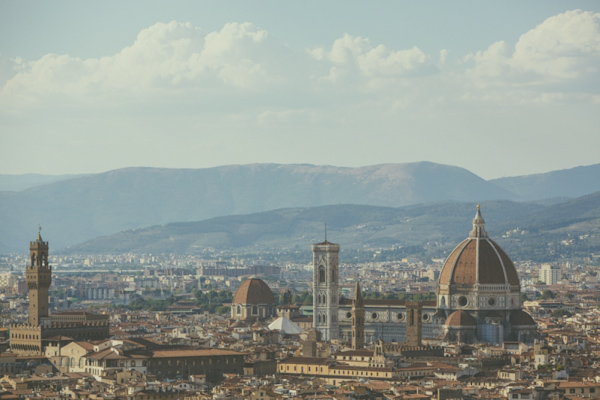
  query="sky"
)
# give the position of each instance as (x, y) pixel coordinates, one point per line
(502, 88)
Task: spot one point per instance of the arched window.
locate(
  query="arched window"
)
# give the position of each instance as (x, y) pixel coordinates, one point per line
(321, 274)
(254, 310)
(239, 310)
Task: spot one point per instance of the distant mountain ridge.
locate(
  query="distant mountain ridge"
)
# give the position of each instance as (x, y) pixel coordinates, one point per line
(573, 182)
(16, 183)
(365, 232)
(79, 209)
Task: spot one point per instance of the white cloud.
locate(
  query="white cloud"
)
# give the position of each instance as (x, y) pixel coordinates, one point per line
(164, 56)
(353, 57)
(241, 65)
(564, 49)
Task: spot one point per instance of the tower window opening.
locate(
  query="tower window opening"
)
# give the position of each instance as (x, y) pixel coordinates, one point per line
(321, 274)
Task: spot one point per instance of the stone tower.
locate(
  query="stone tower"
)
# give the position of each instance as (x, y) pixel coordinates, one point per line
(39, 278)
(326, 300)
(358, 320)
(413, 323)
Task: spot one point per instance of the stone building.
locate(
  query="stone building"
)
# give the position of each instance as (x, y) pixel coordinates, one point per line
(478, 300)
(33, 337)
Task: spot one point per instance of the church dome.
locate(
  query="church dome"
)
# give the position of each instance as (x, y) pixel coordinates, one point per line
(461, 318)
(521, 318)
(478, 260)
(253, 291)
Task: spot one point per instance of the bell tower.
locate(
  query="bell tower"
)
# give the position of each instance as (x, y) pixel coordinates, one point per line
(358, 320)
(414, 315)
(326, 302)
(38, 277)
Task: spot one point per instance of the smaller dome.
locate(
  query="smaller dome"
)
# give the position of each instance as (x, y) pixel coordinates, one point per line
(461, 318)
(253, 291)
(521, 318)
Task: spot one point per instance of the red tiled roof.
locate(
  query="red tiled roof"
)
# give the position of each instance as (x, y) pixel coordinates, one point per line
(253, 291)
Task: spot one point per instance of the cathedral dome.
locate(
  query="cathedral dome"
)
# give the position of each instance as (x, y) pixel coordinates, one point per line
(521, 318)
(478, 260)
(253, 291)
(461, 318)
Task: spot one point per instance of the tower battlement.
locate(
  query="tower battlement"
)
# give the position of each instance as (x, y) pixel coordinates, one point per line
(30, 338)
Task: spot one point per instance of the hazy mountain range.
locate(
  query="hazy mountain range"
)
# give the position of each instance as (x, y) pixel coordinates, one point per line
(528, 231)
(77, 209)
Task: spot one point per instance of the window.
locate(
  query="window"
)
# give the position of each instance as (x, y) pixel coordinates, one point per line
(321, 274)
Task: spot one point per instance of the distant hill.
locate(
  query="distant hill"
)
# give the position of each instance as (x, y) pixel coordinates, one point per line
(424, 231)
(79, 209)
(16, 183)
(570, 183)
(356, 226)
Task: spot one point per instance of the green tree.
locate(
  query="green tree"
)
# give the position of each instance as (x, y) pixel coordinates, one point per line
(548, 294)
(223, 310)
(560, 313)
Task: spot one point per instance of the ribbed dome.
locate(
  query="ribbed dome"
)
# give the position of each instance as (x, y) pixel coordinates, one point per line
(478, 259)
(521, 318)
(253, 291)
(461, 318)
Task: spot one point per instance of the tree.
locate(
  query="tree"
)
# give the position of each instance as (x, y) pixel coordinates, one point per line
(560, 313)
(548, 294)
(223, 310)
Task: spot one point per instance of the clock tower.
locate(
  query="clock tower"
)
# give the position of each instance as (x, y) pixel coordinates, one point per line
(326, 301)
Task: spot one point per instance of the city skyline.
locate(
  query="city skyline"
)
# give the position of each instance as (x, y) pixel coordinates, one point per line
(498, 89)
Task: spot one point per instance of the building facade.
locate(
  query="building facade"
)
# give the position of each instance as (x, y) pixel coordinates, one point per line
(478, 300)
(550, 274)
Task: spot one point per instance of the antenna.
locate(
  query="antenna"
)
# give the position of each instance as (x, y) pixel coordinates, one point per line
(325, 231)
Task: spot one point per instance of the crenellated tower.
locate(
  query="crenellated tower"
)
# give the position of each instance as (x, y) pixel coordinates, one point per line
(38, 277)
(326, 302)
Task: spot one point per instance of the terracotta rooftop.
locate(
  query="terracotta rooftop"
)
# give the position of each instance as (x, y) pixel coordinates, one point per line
(253, 291)
(460, 318)
(478, 259)
(520, 318)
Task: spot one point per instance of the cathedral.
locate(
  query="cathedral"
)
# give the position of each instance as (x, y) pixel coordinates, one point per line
(478, 300)
(44, 329)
